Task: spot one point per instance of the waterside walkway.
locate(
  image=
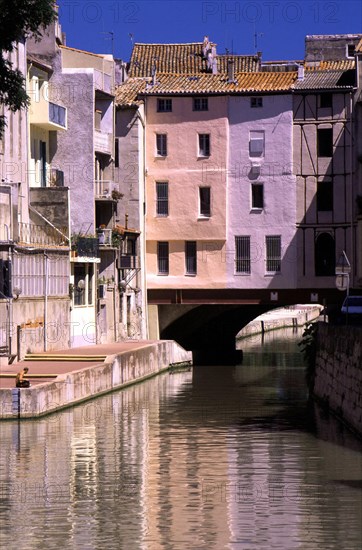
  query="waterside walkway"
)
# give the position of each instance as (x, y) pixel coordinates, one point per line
(63, 378)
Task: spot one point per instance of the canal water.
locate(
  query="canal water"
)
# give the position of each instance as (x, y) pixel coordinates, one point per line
(213, 458)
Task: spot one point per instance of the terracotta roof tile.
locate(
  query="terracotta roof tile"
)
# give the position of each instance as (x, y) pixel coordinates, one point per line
(127, 93)
(213, 84)
(182, 58)
(339, 65)
(359, 47)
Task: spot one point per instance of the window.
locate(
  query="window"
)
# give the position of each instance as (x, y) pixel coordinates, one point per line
(273, 253)
(257, 195)
(97, 119)
(205, 202)
(351, 48)
(116, 153)
(190, 257)
(162, 258)
(256, 143)
(83, 284)
(201, 104)
(324, 255)
(242, 255)
(57, 114)
(324, 196)
(256, 102)
(161, 198)
(164, 105)
(325, 100)
(325, 142)
(161, 145)
(204, 145)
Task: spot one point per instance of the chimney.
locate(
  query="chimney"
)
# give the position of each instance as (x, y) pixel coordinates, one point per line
(300, 72)
(231, 76)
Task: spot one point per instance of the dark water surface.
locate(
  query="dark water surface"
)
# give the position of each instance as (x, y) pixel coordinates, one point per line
(220, 457)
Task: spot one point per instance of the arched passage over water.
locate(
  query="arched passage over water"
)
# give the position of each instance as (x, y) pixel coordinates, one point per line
(209, 331)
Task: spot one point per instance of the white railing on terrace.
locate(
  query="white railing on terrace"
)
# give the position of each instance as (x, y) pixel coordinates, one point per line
(103, 142)
(103, 189)
(42, 235)
(103, 81)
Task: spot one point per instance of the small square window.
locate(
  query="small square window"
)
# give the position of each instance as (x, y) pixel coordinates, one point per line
(201, 104)
(161, 145)
(351, 48)
(325, 100)
(256, 102)
(164, 105)
(257, 195)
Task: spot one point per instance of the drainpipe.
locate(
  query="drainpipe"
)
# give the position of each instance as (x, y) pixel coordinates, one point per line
(46, 267)
(351, 181)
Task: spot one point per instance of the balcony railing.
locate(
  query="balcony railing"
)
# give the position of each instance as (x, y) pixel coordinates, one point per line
(105, 237)
(125, 261)
(88, 247)
(103, 142)
(57, 114)
(103, 189)
(42, 235)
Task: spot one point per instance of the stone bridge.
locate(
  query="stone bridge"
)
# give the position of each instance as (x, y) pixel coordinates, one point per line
(207, 321)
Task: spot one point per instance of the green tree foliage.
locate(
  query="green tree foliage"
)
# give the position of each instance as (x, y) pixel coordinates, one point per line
(18, 19)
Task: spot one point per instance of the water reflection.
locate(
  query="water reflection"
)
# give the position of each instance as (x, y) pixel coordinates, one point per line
(220, 457)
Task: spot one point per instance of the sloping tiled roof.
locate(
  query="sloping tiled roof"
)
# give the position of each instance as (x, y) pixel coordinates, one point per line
(127, 93)
(359, 47)
(339, 65)
(328, 80)
(182, 58)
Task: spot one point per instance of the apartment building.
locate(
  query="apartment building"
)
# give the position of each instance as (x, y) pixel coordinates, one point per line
(325, 141)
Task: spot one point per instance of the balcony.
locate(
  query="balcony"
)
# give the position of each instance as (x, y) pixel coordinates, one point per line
(103, 82)
(38, 236)
(103, 142)
(104, 237)
(55, 177)
(126, 261)
(87, 247)
(105, 190)
(46, 114)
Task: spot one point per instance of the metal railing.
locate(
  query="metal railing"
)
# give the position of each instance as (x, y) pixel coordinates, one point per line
(127, 261)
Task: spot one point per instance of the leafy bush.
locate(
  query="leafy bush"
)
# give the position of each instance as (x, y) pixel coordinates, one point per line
(308, 346)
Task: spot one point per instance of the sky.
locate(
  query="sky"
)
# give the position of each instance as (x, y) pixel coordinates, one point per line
(277, 28)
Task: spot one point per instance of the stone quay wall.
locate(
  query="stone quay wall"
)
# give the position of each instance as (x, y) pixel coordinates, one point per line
(68, 389)
(338, 375)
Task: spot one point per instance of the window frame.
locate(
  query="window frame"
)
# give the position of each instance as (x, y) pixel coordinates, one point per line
(252, 139)
(254, 186)
(203, 104)
(161, 145)
(164, 105)
(162, 200)
(324, 148)
(191, 258)
(324, 196)
(204, 149)
(163, 256)
(256, 102)
(87, 292)
(242, 257)
(274, 256)
(202, 211)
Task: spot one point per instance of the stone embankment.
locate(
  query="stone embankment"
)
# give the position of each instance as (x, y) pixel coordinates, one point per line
(67, 389)
(338, 373)
(281, 318)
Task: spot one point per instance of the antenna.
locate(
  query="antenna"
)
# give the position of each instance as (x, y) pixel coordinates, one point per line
(256, 36)
(131, 38)
(111, 33)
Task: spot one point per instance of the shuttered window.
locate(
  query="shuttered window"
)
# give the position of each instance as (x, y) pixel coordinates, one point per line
(242, 254)
(162, 198)
(273, 253)
(162, 258)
